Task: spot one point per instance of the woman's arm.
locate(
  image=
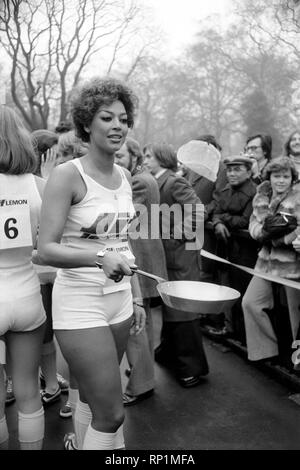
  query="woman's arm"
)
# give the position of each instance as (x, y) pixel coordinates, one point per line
(40, 184)
(256, 228)
(57, 200)
(139, 314)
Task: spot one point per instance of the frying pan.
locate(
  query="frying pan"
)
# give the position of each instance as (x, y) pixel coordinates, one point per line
(192, 296)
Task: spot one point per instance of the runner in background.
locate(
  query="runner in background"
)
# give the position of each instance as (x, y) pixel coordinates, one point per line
(22, 315)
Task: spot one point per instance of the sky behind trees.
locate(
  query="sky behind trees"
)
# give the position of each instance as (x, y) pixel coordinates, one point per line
(179, 19)
(194, 74)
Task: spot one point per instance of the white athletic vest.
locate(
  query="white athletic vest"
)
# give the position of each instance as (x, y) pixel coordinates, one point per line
(100, 220)
(20, 205)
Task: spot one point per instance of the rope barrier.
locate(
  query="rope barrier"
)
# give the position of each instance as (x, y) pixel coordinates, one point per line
(253, 272)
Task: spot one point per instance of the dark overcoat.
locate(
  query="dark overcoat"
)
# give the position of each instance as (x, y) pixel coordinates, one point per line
(182, 264)
(148, 251)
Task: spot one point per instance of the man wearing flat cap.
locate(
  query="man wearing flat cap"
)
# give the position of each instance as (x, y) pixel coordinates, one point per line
(234, 205)
(231, 212)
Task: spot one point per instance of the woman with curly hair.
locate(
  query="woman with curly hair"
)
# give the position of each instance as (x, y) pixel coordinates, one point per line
(85, 217)
(279, 193)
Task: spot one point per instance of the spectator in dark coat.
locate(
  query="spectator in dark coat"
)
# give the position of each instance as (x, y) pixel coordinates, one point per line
(181, 347)
(234, 204)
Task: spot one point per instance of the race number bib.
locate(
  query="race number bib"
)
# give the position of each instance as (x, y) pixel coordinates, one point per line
(110, 285)
(15, 226)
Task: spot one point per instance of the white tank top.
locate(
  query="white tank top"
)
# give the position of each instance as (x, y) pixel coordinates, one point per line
(20, 205)
(100, 220)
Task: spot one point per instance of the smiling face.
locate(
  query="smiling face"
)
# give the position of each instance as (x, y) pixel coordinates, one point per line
(237, 174)
(295, 144)
(281, 181)
(109, 127)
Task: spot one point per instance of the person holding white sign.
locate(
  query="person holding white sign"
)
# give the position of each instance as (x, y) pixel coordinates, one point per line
(86, 215)
(22, 315)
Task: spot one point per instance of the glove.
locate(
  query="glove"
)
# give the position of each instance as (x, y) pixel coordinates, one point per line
(279, 224)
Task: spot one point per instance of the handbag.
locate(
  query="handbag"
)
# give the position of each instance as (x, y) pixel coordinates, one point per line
(279, 224)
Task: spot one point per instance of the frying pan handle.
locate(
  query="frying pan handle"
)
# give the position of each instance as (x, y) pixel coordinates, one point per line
(151, 276)
(142, 273)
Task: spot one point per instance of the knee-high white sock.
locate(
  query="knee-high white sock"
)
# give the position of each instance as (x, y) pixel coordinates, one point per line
(82, 418)
(119, 439)
(4, 436)
(31, 430)
(97, 440)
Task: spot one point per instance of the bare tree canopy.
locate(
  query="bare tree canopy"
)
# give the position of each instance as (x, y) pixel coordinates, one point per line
(51, 42)
(230, 80)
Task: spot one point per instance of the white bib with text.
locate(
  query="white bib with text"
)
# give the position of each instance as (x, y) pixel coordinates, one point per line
(15, 225)
(110, 285)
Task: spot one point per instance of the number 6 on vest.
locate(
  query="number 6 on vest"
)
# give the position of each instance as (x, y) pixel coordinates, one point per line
(15, 226)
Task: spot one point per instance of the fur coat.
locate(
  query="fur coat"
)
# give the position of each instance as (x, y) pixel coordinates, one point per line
(277, 257)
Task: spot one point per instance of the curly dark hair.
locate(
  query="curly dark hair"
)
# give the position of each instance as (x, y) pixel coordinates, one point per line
(96, 92)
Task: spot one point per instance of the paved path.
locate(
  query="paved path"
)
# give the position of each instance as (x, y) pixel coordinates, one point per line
(236, 407)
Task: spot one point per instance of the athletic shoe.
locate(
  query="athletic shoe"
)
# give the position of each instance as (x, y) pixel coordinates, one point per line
(66, 411)
(10, 397)
(129, 400)
(70, 441)
(192, 381)
(62, 382)
(48, 398)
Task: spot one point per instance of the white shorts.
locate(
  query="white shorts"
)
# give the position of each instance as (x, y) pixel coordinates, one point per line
(75, 307)
(21, 314)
